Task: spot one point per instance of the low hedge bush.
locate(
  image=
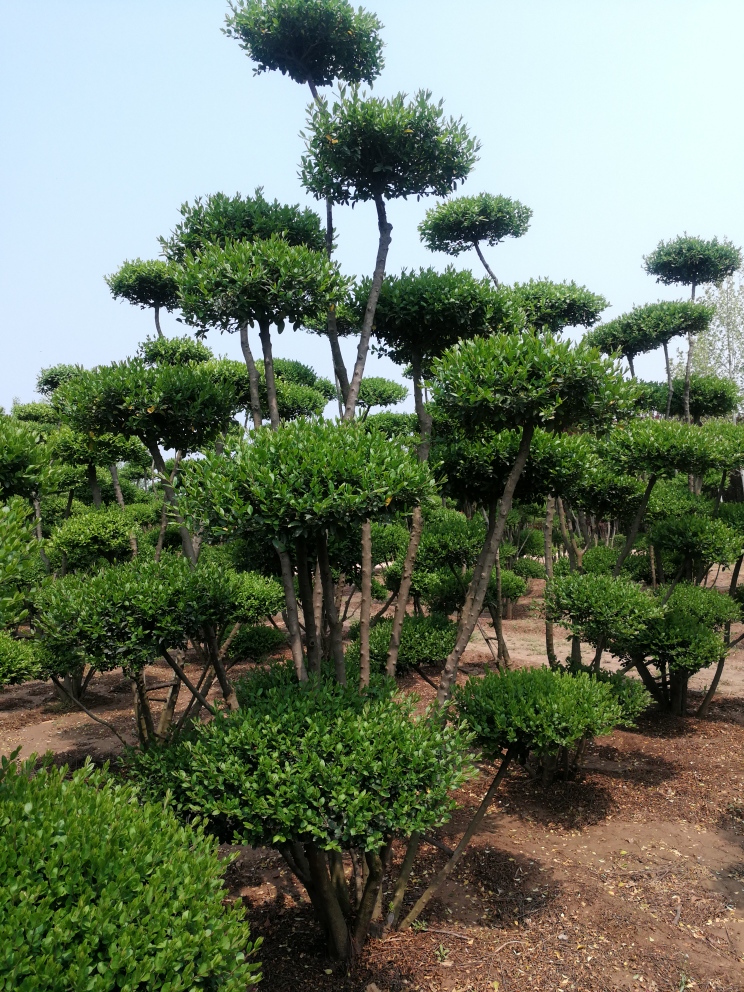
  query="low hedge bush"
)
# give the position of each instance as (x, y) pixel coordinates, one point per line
(101, 892)
(424, 640)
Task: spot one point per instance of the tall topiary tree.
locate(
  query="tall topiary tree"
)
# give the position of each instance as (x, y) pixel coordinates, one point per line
(361, 150)
(148, 285)
(314, 42)
(463, 223)
(693, 262)
(264, 282)
(519, 382)
(646, 328)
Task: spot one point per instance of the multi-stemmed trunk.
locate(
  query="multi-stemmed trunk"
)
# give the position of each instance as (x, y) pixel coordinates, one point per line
(482, 571)
(268, 357)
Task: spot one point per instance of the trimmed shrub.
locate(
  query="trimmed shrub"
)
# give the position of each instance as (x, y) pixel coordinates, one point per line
(536, 709)
(257, 642)
(528, 568)
(87, 539)
(424, 640)
(18, 660)
(103, 893)
(512, 586)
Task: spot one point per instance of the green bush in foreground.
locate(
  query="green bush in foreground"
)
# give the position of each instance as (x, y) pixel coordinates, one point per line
(18, 660)
(315, 770)
(99, 892)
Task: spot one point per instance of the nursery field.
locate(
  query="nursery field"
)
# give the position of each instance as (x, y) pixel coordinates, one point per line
(630, 877)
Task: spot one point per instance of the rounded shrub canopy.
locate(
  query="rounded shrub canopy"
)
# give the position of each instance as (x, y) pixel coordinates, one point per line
(311, 41)
(461, 223)
(145, 284)
(322, 765)
(691, 261)
(102, 892)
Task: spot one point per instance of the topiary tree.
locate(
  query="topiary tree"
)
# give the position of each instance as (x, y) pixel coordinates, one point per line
(361, 150)
(138, 900)
(177, 407)
(49, 379)
(421, 314)
(174, 351)
(314, 43)
(710, 396)
(148, 285)
(462, 223)
(518, 713)
(294, 488)
(553, 306)
(693, 262)
(646, 328)
(259, 282)
(376, 391)
(520, 383)
(316, 773)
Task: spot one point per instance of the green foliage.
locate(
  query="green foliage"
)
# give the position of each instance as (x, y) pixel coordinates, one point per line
(99, 891)
(269, 282)
(307, 477)
(23, 464)
(311, 41)
(630, 695)
(513, 586)
(457, 225)
(531, 542)
(325, 765)
(219, 220)
(42, 417)
(710, 396)
(126, 614)
(700, 540)
(424, 640)
(17, 561)
(173, 351)
(420, 314)
(664, 447)
(690, 261)
(86, 540)
(376, 391)
(506, 381)
(256, 643)
(599, 560)
(78, 448)
(648, 327)
(50, 378)
(18, 663)
(394, 426)
(551, 306)
(528, 568)
(362, 149)
(145, 284)
(180, 407)
(536, 709)
(450, 540)
(389, 540)
(597, 606)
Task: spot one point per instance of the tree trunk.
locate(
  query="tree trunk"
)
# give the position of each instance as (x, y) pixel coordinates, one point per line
(417, 525)
(186, 541)
(485, 264)
(443, 875)
(670, 384)
(383, 247)
(548, 539)
(166, 716)
(329, 600)
(702, 712)
(268, 357)
(422, 414)
(120, 500)
(335, 922)
(253, 377)
(95, 489)
(688, 366)
(312, 640)
(634, 527)
(366, 605)
(499, 618)
(630, 364)
(293, 619)
(157, 322)
(479, 585)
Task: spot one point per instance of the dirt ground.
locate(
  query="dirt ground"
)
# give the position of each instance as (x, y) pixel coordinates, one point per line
(630, 878)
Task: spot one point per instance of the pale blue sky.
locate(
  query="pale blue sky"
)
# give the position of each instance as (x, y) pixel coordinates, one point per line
(618, 122)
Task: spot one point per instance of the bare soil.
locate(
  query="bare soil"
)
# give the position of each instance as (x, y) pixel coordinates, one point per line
(630, 878)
